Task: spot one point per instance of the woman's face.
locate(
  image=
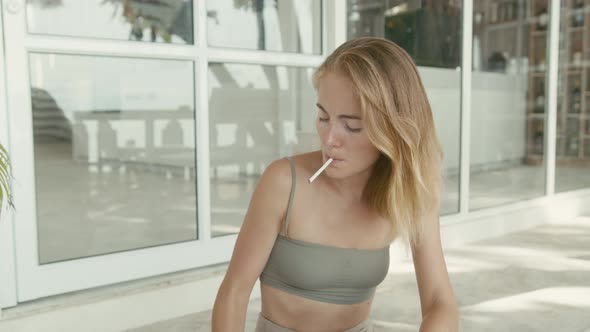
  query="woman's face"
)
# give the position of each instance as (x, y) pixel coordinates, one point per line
(341, 128)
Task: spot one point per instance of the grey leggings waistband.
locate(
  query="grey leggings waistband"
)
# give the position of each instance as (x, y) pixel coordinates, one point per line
(265, 325)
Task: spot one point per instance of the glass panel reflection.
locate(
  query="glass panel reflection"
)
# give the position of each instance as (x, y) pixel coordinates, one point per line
(573, 111)
(114, 145)
(508, 102)
(256, 114)
(159, 21)
(430, 31)
(271, 25)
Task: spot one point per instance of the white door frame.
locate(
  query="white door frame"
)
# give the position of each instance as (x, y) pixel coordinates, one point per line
(7, 257)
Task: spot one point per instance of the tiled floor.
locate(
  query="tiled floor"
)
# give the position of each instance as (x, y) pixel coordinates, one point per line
(536, 280)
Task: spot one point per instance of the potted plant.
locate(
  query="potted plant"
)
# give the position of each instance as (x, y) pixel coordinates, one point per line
(4, 177)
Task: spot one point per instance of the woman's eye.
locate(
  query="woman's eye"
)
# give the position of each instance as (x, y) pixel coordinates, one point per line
(353, 130)
(322, 119)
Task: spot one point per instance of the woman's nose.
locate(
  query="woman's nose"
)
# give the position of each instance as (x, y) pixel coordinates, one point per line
(332, 136)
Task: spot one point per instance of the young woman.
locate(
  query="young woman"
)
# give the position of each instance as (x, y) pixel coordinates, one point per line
(320, 249)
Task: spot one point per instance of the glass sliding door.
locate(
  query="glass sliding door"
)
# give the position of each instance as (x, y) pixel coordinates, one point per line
(508, 110)
(114, 148)
(572, 171)
(103, 117)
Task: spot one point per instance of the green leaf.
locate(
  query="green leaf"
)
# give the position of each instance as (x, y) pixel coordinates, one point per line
(5, 177)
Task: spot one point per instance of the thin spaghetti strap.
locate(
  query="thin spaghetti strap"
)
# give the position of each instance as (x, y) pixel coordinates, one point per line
(291, 195)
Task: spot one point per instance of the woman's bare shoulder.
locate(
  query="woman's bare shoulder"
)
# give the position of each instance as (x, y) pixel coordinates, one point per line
(277, 175)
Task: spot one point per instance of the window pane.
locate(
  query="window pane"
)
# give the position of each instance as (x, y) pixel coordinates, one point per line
(160, 21)
(256, 114)
(271, 25)
(114, 153)
(508, 102)
(573, 112)
(430, 31)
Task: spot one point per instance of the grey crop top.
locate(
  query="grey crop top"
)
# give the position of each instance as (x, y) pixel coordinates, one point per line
(321, 272)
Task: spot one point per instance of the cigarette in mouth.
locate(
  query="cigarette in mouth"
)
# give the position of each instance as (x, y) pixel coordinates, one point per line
(320, 170)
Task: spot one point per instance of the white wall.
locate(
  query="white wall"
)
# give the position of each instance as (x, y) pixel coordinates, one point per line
(498, 124)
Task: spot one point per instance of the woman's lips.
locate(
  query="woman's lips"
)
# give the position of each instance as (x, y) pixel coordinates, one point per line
(334, 160)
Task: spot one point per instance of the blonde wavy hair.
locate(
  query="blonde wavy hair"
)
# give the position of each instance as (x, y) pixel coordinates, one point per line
(406, 182)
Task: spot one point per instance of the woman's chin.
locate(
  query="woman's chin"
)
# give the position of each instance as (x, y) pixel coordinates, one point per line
(333, 173)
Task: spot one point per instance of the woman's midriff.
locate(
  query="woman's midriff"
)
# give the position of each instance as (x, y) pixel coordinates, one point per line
(301, 314)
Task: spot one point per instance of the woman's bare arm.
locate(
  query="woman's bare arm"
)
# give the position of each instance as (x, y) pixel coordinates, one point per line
(439, 307)
(257, 235)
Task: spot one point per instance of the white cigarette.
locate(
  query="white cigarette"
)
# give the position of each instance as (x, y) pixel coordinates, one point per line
(320, 170)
